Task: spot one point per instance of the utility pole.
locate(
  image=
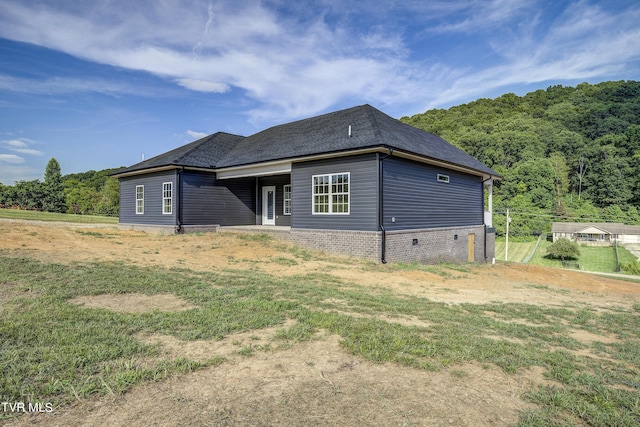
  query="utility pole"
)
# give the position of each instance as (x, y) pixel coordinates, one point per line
(506, 244)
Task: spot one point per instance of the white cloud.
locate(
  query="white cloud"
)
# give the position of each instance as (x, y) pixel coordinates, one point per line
(584, 42)
(17, 143)
(298, 66)
(203, 85)
(484, 15)
(196, 135)
(72, 86)
(298, 59)
(29, 151)
(11, 158)
(20, 145)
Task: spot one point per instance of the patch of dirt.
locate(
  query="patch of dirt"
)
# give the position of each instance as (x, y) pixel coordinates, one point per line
(312, 384)
(133, 303)
(315, 383)
(231, 345)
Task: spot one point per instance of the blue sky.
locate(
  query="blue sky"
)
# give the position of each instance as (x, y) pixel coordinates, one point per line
(99, 84)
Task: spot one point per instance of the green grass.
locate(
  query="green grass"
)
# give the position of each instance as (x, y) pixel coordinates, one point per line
(592, 258)
(53, 350)
(598, 258)
(625, 255)
(518, 251)
(50, 216)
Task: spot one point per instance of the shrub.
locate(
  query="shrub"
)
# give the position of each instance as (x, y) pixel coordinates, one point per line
(563, 248)
(632, 267)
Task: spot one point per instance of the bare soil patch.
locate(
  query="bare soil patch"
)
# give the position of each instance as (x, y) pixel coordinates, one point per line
(133, 303)
(315, 383)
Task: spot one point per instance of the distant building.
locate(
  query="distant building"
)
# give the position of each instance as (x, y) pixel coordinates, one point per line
(596, 233)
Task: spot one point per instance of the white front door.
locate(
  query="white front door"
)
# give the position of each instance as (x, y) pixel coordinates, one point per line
(269, 205)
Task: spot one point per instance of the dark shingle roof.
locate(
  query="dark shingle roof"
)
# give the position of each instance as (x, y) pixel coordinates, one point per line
(330, 133)
(203, 153)
(327, 133)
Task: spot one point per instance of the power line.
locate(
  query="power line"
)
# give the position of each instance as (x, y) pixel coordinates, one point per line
(584, 219)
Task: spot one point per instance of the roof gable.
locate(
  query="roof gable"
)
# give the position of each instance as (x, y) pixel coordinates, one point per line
(203, 153)
(592, 230)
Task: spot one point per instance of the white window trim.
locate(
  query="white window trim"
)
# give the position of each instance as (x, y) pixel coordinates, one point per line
(443, 178)
(164, 199)
(141, 205)
(285, 199)
(330, 194)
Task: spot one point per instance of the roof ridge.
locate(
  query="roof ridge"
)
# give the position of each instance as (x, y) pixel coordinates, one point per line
(201, 141)
(374, 121)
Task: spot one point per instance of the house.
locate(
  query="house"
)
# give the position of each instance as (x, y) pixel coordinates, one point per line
(354, 182)
(596, 233)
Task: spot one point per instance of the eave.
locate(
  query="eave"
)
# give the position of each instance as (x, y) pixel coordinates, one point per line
(159, 169)
(284, 165)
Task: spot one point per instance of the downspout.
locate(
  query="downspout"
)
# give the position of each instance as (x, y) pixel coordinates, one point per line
(383, 251)
(178, 201)
(485, 225)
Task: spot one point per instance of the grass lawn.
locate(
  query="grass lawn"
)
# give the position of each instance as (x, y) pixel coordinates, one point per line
(50, 216)
(540, 257)
(598, 258)
(518, 251)
(53, 350)
(592, 258)
(625, 255)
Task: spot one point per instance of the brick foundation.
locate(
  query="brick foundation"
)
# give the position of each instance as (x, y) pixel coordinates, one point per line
(427, 246)
(431, 246)
(364, 244)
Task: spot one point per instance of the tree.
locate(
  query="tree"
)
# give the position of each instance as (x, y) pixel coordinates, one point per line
(81, 199)
(26, 195)
(563, 248)
(560, 175)
(109, 198)
(610, 181)
(54, 197)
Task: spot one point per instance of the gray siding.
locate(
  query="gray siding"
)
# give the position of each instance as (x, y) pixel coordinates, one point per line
(152, 199)
(415, 198)
(363, 194)
(235, 202)
(198, 198)
(278, 181)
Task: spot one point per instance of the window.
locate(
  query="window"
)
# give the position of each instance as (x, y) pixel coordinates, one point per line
(287, 200)
(139, 199)
(167, 198)
(443, 178)
(331, 194)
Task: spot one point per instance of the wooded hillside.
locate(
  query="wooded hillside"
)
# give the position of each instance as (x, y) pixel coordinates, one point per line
(565, 153)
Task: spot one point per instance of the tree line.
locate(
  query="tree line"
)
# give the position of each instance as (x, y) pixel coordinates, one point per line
(565, 153)
(87, 193)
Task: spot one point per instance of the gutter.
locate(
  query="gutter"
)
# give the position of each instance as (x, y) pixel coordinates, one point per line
(178, 201)
(383, 250)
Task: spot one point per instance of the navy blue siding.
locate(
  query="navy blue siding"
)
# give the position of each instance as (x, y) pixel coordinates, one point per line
(234, 202)
(278, 181)
(152, 199)
(198, 198)
(415, 198)
(363, 193)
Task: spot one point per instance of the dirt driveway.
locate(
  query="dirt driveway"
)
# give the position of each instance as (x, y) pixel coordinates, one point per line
(315, 383)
